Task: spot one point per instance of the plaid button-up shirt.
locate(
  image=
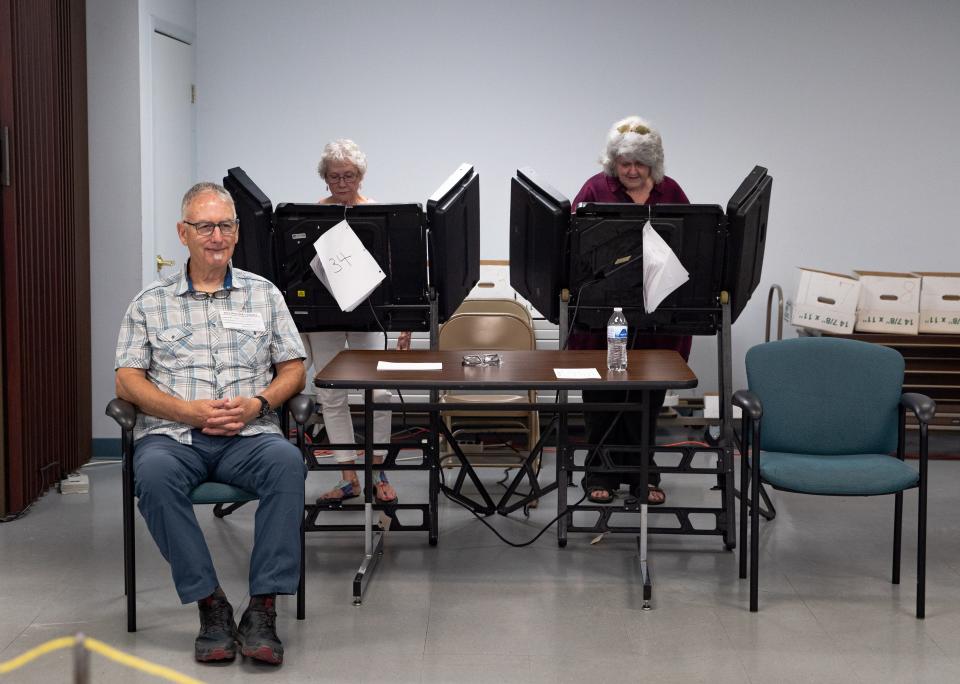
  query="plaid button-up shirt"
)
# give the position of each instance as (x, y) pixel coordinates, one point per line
(188, 353)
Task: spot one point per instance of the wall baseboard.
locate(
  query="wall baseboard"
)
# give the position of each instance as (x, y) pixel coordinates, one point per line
(105, 449)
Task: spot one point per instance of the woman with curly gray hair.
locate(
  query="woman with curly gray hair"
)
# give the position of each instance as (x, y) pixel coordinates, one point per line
(343, 166)
(632, 162)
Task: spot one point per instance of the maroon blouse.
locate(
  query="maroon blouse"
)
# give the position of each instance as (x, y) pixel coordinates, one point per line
(604, 188)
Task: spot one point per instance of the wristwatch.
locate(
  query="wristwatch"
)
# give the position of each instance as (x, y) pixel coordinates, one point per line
(264, 406)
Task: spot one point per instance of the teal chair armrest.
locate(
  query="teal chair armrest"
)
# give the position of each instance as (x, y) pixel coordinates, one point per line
(923, 407)
(301, 406)
(749, 402)
(123, 412)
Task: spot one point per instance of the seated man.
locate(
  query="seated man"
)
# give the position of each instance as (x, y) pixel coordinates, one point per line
(206, 354)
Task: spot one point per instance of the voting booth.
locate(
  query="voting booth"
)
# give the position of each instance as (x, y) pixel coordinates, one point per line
(575, 268)
(429, 260)
(595, 255)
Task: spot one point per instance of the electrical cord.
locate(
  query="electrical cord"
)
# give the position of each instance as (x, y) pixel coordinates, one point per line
(482, 519)
(539, 534)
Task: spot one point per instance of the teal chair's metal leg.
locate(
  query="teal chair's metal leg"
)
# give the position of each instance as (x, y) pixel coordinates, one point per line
(897, 534)
(222, 510)
(744, 479)
(301, 589)
(922, 528)
(129, 545)
(755, 521)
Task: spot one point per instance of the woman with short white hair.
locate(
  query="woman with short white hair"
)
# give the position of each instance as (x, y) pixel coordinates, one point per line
(632, 161)
(343, 166)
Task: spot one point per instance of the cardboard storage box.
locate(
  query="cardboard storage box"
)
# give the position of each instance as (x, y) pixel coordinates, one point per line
(889, 303)
(940, 303)
(826, 301)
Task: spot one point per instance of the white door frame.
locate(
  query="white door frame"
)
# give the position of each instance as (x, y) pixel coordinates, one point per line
(148, 24)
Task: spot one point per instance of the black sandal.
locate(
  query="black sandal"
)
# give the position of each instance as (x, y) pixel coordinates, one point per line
(592, 494)
(651, 488)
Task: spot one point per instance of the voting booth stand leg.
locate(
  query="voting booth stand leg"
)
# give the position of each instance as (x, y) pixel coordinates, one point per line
(434, 456)
(725, 400)
(724, 514)
(564, 454)
(372, 541)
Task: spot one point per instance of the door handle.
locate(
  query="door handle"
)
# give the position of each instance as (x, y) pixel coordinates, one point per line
(161, 262)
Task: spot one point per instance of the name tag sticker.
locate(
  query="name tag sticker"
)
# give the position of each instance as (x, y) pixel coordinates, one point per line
(240, 320)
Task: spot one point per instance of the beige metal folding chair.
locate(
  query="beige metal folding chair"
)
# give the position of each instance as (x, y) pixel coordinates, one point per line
(490, 331)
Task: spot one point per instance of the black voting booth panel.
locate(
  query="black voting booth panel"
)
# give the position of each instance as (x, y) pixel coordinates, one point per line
(278, 244)
(539, 220)
(395, 237)
(606, 265)
(453, 217)
(597, 255)
(254, 251)
(747, 213)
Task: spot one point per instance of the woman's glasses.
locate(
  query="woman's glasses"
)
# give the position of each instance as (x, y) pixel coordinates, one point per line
(481, 360)
(348, 177)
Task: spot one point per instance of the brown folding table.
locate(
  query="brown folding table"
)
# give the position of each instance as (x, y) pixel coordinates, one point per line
(647, 371)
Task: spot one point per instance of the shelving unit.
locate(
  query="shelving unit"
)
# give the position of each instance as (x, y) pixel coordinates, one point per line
(933, 368)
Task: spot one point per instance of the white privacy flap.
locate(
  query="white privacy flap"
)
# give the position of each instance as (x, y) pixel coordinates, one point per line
(662, 271)
(345, 267)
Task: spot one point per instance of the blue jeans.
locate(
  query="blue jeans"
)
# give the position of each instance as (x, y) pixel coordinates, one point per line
(166, 471)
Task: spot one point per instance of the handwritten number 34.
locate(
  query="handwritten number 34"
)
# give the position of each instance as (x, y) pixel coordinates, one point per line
(338, 261)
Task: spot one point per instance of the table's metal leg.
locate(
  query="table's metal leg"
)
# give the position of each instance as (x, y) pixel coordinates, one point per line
(644, 565)
(646, 455)
(370, 558)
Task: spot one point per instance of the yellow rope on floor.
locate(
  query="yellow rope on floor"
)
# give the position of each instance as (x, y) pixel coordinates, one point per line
(34, 653)
(103, 649)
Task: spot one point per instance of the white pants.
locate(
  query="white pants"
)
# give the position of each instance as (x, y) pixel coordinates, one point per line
(321, 348)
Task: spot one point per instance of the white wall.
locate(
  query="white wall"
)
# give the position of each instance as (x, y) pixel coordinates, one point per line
(118, 68)
(851, 105)
(113, 84)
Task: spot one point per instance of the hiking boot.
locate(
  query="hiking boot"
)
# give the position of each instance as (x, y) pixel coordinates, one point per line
(257, 633)
(218, 632)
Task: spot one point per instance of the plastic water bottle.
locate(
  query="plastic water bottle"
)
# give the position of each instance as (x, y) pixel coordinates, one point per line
(617, 341)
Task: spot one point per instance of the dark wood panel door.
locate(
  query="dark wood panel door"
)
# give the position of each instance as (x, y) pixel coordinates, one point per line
(45, 255)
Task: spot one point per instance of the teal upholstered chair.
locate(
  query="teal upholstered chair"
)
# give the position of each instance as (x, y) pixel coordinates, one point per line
(225, 498)
(823, 416)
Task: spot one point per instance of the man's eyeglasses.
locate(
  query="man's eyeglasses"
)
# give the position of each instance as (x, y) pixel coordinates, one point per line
(348, 177)
(206, 228)
(219, 294)
(481, 360)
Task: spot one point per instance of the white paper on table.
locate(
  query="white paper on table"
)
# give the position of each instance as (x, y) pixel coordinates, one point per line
(345, 267)
(662, 271)
(576, 373)
(395, 366)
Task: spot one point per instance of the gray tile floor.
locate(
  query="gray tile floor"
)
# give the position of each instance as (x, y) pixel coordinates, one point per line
(475, 610)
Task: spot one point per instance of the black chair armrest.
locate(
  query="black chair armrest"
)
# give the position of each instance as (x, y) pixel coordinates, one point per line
(123, 412)
(301, 406)
(923, 407)
(749, 402)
